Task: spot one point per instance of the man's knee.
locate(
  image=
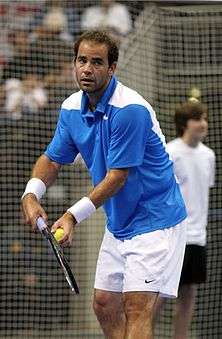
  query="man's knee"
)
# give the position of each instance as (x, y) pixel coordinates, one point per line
(139, 305)
(106, 303)
(100, 301)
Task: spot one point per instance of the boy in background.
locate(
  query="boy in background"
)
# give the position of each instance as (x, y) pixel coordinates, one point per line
(194, 165)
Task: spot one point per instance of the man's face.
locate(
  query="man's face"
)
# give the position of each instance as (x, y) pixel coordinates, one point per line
(93, 72)
(197, 129)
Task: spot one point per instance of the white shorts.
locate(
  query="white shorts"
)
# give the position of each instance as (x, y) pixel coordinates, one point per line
(149, 262)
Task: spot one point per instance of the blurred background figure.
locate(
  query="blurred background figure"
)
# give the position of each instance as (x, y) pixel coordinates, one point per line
(194, 165)
(110, 15)
(49, 49)
(20, 88)
(54, 20)
(27, 96)
(18, 64)
(70, 11)
(59, 85)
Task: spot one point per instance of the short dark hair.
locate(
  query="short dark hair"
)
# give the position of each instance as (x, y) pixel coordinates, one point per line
(186, 111)
(102, 37)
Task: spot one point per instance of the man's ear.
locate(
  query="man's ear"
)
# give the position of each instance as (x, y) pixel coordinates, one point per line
(112, 68)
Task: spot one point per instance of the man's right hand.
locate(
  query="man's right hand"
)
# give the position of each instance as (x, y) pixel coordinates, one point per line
(32, 209)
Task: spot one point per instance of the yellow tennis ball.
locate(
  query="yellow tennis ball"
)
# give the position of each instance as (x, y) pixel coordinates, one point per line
(59, 234)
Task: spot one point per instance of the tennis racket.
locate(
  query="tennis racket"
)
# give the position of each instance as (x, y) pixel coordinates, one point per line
(57, 250)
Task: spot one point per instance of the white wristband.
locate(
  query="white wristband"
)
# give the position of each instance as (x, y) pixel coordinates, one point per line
(35, 186)
(82, 209)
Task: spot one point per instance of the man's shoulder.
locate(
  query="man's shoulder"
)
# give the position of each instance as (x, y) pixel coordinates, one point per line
(73, 102)
(124, 96)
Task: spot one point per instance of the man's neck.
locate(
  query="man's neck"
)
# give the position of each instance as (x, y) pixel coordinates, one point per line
(92, 107)
(95, 97)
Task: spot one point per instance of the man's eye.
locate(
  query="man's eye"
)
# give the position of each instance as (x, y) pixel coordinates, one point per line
(97, 62)
(81, 61)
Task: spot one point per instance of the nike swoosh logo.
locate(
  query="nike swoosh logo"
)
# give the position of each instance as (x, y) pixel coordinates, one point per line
(148, 281)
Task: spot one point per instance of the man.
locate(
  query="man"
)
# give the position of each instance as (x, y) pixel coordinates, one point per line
(194, 165)
(116, 132)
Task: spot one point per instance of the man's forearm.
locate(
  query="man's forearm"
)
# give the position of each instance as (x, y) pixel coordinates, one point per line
(110, 185)
(46, 170)
(44, 174)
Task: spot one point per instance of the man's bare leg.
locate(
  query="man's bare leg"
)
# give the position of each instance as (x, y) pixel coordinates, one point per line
(125, 316)
(139, 308)
(108, 307)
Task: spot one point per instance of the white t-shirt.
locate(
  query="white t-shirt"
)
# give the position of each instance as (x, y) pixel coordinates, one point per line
(195, 171)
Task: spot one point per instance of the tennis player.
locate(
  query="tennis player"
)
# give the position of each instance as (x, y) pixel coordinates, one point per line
(117, 134)
(194, 165)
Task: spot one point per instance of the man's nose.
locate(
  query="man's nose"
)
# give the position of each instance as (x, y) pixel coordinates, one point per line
(88, 68)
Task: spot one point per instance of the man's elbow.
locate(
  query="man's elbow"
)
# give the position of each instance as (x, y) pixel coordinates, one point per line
(123, 177)
(119, 176)
(49, 162)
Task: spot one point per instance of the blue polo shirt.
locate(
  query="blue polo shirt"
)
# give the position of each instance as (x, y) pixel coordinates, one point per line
(122, 132)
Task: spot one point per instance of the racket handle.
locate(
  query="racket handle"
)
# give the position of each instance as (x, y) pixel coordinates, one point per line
(40, 222)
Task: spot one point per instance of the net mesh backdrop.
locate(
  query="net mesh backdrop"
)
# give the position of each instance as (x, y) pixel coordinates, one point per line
(168, 52)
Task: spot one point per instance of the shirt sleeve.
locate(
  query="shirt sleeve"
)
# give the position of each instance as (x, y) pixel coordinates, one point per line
(62, 148)
(130, 128)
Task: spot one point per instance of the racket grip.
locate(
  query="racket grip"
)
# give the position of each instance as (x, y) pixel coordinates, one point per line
(40, 222)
